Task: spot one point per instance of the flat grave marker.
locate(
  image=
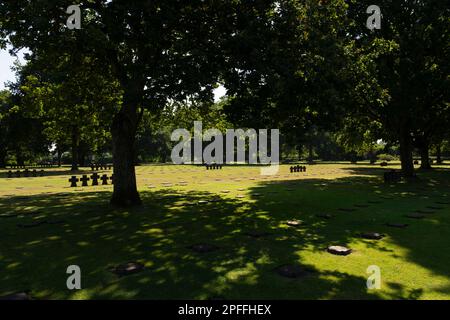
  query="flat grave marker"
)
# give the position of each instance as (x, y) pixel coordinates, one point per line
(397, 225)
(425, 211)
(415, 216)
(339, 250)
(294, 223)
(325, 216)
(33, 224)
(16, 297)
(128, 269)
(257, 234)
(372, 235)
(203, 248)
(292, 271)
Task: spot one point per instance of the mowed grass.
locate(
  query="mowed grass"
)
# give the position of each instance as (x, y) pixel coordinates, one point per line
(85, 231)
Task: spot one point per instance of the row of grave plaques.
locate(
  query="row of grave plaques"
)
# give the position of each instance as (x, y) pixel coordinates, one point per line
(94, 178)
(26, 173)
(298, 169)
(32, 166)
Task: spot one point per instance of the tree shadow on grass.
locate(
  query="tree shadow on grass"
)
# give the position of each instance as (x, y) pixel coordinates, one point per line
(84, 230)
(365, 204)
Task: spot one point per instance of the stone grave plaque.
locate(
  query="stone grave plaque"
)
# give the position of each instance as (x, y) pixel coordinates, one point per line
(33, 224)
(425, 211)
(435, 208)
(203, 248)
(257, 234)
(16, 296)
(292, 271)
(339, 250)
(325, 216)
(294, 223)
(415, 216)
(372, 235)
(127, 269)
(397, 225)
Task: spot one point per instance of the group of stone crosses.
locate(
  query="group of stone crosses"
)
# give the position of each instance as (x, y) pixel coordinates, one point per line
(298, 169)
(96, 167)
(94, 178)
(26, 173)
(214, 166)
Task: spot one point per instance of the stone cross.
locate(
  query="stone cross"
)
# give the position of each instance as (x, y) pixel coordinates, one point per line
(104, 179)
(95, 178)
(84, 180)
(73, 181)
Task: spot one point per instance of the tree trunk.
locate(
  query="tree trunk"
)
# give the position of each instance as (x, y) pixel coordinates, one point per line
(425, 155)
(406, 150)
(3, 154)
(354, 157)
(123, 132)
(299, 153)
(310, 153)
(19, 158)
(59, 155)
(81, 158)
(372, 157)
(438, 154)
(75, 145)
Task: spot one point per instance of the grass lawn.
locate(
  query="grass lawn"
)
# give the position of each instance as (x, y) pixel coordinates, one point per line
(82, 229)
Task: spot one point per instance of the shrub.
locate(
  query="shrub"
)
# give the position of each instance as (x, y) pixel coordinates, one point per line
(386, 157)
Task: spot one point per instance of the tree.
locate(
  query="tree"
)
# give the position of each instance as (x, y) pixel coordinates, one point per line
(401, 70)
(158, 51)
(76, 103)
(20, 136)
(295, 79)
(359, 136)
(5, 105)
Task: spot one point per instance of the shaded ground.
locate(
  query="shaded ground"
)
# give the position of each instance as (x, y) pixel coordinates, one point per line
(80, 228)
